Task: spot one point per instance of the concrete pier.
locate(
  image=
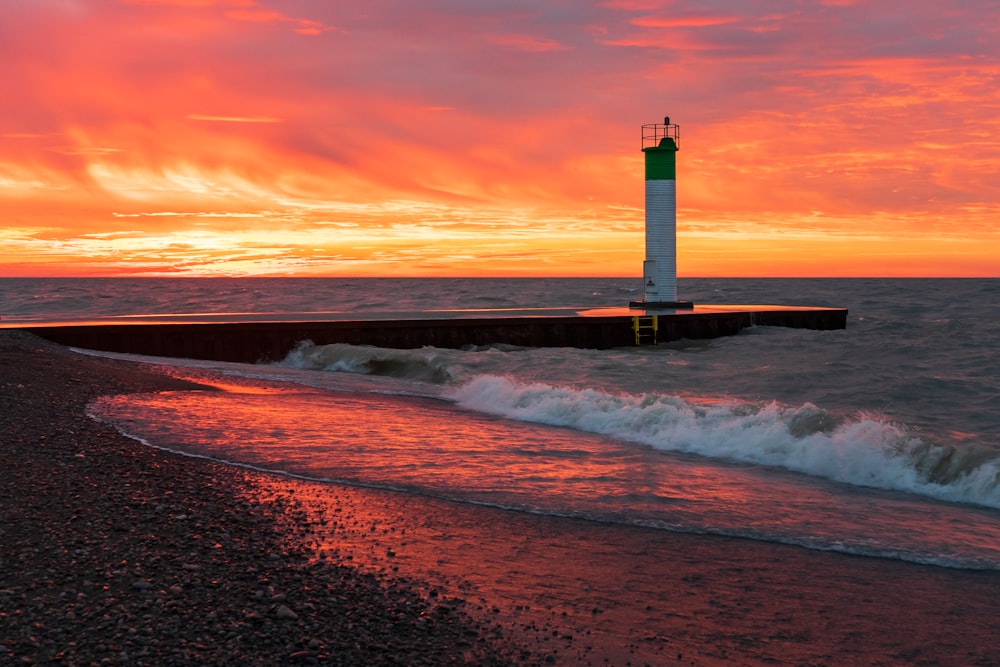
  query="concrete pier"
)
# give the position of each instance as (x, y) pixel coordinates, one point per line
(251, 338)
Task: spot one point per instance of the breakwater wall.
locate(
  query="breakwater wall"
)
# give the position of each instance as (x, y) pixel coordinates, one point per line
(254, 341)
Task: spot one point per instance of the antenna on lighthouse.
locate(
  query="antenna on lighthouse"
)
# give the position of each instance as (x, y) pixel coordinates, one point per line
(660, 144)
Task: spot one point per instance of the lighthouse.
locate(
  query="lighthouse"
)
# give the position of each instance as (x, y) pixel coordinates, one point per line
(660, 144)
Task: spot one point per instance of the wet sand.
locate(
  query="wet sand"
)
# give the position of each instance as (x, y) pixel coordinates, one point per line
(594, 594)
(115, 553)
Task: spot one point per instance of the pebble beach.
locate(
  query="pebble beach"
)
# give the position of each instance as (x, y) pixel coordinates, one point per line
(116, 553)
(113, 553)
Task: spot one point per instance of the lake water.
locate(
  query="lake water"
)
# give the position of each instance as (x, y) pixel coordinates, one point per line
(882, 439)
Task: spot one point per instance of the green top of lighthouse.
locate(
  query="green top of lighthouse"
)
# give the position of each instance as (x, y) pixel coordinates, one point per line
(660, 143)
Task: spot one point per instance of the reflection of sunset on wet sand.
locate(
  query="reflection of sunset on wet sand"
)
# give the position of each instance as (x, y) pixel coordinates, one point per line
(698, 464)
(239, 137)
(593, 594)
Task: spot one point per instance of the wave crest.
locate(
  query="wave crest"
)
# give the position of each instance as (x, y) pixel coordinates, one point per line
(867, 450)
(425, 364)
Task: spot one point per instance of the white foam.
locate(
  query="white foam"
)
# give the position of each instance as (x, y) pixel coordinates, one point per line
(426, 364)
(867, 450)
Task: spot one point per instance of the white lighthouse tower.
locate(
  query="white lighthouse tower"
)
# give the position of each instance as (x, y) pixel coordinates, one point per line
(660, 144)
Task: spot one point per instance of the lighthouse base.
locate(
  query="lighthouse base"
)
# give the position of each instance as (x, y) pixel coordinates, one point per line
(654, 305)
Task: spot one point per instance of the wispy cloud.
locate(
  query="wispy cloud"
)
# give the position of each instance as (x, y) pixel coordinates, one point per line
(529, 43)
(684, 20)
(257, 14)
(233, 119)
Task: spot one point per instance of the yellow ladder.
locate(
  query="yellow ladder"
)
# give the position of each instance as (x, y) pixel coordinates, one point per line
(646, 329)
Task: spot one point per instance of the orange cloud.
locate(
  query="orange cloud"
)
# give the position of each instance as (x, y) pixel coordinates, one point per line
(191, 3)
(233, 119)
(683, 21)
(256, 14)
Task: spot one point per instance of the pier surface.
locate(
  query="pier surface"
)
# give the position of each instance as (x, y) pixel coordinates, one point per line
(255, 337)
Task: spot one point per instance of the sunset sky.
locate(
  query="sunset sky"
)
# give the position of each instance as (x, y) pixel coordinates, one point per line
(496, 137)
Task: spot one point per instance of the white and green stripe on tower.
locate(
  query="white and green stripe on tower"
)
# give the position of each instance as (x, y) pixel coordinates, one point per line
(660, 267)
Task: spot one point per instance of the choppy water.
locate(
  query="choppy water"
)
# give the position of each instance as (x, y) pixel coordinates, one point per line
(880, 440)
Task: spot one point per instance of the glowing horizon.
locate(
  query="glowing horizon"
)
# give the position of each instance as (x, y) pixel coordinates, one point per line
(248, 137)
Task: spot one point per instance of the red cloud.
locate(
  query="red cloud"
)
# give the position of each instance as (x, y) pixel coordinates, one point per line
(684, 21)
(530, 43)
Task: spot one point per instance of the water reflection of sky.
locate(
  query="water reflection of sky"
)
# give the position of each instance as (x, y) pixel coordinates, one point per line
(431, 447)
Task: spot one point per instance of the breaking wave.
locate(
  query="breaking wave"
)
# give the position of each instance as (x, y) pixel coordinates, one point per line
(866, 450)
(426, 364)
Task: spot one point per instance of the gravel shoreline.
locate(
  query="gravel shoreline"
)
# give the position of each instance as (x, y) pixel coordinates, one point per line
(113, 553)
